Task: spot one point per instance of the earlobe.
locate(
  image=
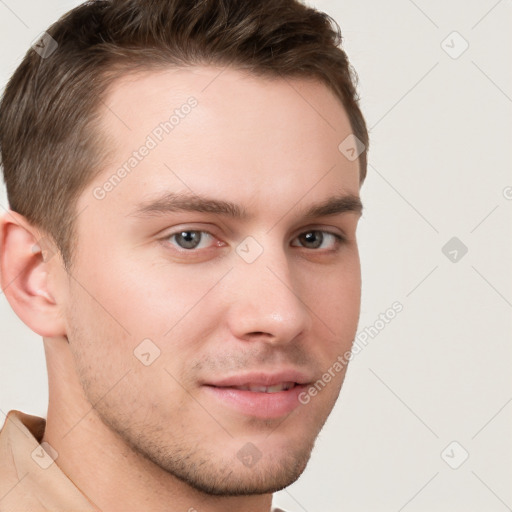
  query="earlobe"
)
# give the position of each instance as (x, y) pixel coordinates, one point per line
(25, 267)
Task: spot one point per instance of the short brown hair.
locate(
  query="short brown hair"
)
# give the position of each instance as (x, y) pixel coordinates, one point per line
(49, 115)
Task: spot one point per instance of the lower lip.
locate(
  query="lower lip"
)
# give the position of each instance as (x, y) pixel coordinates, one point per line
(257, 404)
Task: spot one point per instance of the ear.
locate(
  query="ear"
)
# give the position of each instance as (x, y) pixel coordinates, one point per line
(24, 269)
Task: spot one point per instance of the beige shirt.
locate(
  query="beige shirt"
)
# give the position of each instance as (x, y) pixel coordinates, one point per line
(30, 480)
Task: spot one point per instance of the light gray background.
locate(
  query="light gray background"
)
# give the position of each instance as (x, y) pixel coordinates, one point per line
(440, 165)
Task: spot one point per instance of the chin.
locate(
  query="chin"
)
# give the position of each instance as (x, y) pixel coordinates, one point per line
(232, 478)
(226, 469)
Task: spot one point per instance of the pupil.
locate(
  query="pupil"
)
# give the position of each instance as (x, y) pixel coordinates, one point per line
(311, 236)
(190, 239)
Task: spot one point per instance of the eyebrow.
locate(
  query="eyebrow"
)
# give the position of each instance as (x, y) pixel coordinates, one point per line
(190, 202)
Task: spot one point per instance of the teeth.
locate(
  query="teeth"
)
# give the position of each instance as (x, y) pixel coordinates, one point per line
(283, 386)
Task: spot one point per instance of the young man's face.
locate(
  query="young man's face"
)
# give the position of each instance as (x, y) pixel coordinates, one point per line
(178, 320)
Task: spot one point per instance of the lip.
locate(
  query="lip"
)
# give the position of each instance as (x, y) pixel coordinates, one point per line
(262, 379)
(259, 404)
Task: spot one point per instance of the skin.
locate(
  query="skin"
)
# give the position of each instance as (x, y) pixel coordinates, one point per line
(133, 436)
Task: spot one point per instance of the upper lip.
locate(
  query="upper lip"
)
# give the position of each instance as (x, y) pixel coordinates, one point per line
(262, 379)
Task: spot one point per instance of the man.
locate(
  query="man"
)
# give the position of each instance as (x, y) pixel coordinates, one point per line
(183, 181)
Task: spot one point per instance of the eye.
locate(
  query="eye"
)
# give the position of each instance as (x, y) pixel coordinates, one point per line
(315, 238)
(189, 239)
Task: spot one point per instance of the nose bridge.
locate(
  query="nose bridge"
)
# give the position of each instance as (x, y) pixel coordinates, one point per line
(267, 298)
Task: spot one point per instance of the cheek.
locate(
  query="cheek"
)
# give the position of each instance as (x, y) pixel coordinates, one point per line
(113, 373)
(132, 309)
(336, 297)
(102, 349)
(338, 309)
(100, 315)
(153, 295)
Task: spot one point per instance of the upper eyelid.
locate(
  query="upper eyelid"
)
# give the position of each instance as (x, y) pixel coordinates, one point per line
(300, 232)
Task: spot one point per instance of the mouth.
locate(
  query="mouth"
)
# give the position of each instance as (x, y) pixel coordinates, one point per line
(255, 388)
(259, 395)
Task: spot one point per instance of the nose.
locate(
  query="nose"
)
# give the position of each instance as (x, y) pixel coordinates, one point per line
(266, 300)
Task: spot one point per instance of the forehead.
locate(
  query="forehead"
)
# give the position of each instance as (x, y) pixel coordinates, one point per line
(206, 128)
(147, 91)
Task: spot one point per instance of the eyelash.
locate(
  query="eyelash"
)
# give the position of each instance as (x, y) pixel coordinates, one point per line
(339, 239)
